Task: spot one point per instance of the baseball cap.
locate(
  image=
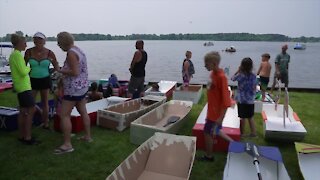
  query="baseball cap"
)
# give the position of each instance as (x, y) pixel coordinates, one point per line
(39, 35)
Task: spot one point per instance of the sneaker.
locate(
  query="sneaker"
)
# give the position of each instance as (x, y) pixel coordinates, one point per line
(205, 158)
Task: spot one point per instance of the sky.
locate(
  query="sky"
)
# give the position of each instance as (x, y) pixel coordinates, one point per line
(293, 18)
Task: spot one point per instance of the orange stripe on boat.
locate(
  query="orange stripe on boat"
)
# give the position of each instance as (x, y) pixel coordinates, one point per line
(296, 117)
(264, 116)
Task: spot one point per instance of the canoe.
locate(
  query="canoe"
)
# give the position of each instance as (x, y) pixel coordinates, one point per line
(120, 116)
(230, 126)
(166, 88)
(191, 93)
(167, 118)
(241, 165)
(92, 109)
(279, 128)
(309, 160)
(163, 156)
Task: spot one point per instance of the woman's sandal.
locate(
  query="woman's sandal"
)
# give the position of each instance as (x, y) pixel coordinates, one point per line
(60, 150)
(83, 138)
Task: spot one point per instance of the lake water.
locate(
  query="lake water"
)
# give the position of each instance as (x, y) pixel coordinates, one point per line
(165, 59)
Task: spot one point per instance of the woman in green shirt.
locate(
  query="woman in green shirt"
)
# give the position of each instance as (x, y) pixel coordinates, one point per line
(21, 82)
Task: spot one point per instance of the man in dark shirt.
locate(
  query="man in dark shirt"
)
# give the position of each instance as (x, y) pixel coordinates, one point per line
(137, 70)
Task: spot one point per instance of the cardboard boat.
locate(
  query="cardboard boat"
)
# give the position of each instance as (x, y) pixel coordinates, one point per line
(279, 128)
(166, 88)
(191, 93)
(309, 160)
(163, 156)
(240, 165)
(120, 116)
(167, 118)
(230, 126)
(92, 108)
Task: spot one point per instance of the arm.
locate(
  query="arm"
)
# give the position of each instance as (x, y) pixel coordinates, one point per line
(226, 100)
(21, 66)
(259, 69)
(27, 55)
(223, 113)
(235, 77)
(136, 58)
(54, 61)
(73, 61)
(186, 66)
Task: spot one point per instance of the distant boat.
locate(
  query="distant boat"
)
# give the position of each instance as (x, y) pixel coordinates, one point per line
(231, 49)
(299, 46)
(208, 43)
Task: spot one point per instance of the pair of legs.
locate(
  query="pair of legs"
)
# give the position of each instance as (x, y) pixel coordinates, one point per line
(45, 106)
(210, 130)
(25, 116)
(25, 122)
(136, 86)
(246, 111)
(284, 78)
(66, 125)
(264, 81)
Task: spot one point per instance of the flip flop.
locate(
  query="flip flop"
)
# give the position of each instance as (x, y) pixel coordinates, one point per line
(82, 138)
(59, 151)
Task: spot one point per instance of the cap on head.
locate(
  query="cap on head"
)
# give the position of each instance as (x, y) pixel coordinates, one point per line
(39, 35)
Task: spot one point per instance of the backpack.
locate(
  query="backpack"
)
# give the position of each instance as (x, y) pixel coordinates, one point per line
(191, 67)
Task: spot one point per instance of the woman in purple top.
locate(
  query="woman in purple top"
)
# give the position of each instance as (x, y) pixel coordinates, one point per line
(75, 87)
(245, 94)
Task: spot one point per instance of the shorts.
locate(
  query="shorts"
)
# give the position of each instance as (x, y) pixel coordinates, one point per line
(40, 83)
(284, 78)
(245, 110)
(211, 127)
(264, 81)
(136, 85)
(186, 80)
(26, 99)
(74, 98)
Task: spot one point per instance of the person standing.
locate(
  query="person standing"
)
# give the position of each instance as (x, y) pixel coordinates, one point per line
(218, 103)
(264, 73)
(137, 70)
(245, 96)
(187, 69)
(40, 59)
(75, 87)
(21, 82)
(282, 67)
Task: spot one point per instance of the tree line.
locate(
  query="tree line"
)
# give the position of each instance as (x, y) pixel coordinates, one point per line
(180, 36)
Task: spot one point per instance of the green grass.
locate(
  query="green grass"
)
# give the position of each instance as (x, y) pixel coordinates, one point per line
(98, 159)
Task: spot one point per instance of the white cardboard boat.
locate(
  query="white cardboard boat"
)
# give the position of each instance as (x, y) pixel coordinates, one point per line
(120, 116)
(275, 126)
(309, 160)
(167, 118)
(240, 165)
(92, 109)
(191, 93)
(161, 157)
(166, 88)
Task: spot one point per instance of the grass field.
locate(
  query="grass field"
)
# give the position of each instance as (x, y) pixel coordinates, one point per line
(98, 159)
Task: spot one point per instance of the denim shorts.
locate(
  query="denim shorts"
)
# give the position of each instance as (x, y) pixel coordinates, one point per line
(210, 127)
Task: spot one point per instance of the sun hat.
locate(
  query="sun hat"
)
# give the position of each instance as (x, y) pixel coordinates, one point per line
(39, 35)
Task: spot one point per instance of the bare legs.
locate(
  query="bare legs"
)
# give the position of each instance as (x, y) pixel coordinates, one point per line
(45, 107)
(251, 124)
(66, 121)
(25, 122)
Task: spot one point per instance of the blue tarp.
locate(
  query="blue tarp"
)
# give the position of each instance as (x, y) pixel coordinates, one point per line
(268, 152)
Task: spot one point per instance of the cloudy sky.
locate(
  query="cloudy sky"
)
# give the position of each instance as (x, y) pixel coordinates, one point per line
(120, 17)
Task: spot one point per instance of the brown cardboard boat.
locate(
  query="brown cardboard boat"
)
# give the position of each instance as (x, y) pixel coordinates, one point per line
(161, 157)
(120, 116)
(168, 118)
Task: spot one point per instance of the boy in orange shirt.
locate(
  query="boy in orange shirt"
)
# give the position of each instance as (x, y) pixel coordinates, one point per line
(218, 102)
